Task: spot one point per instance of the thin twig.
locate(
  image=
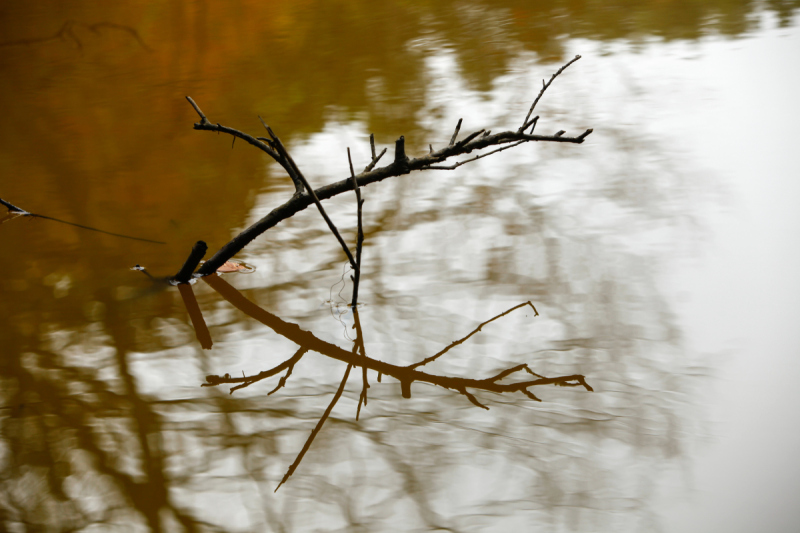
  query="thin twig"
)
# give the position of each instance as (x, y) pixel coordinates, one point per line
(456, 165)
(16, 211)
(358, 344)
(296, 170)
(400, 166)
(472, 398)
(508, 372)
(360, 238)
(374, 162)
(316, 429)
(470, 137)
(544, 88)
(530, 395)
(474, 331)
(531, 122)
(281, 382)
(213, 380)
(455, 133)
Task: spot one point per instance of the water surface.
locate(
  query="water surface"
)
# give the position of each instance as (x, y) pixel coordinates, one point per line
(105, 425)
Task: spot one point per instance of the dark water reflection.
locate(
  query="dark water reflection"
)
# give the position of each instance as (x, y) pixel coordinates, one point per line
(104, 423)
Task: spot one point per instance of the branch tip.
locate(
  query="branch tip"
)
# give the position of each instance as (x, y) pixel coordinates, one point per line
(455, 133)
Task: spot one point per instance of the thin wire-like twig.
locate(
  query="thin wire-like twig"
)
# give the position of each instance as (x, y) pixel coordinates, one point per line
(16, 211)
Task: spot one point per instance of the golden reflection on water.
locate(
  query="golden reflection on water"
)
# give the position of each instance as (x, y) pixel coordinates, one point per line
(104, 421)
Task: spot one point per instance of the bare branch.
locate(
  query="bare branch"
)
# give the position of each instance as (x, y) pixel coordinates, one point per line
(404, 374)
(456, 165)
(185, 273)
(206, 125)
(295, 172)
(455, 133)
(472, 398)
(531, 122)
(402, 164)
(213, 380)
(360, 238)
(508, 372)
(545, 86)
(316, 429)
(530, 395)
(358, 345)
(473, 332)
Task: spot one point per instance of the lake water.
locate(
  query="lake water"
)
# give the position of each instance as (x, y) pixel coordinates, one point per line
(661, 255)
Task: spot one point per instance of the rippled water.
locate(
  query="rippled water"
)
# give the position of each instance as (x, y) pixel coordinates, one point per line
(105, 425)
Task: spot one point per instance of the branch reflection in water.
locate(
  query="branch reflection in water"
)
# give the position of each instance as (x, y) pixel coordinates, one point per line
(405, 375)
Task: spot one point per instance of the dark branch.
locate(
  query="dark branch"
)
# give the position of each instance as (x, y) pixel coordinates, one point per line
(473, 332)
(544, 88)
(455, 133)
(213, 380)
(360, 238)
(404, 374)
(472, 398)
(358, 345)
(185, 273)
(316, 429)
(402, 164)
(196, 315)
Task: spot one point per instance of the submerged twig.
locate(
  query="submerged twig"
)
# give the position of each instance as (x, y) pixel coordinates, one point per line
(21, 212)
